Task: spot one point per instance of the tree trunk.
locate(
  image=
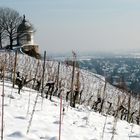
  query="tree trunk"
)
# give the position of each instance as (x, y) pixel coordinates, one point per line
(11, 42)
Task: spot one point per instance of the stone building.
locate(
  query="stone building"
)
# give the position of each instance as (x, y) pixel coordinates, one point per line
(25, 39)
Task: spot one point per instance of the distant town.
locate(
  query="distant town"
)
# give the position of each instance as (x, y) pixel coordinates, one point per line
(124, 72)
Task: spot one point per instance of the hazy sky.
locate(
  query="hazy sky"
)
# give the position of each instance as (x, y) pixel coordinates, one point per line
(82, 25)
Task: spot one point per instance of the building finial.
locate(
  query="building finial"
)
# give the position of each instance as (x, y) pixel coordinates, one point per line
(24, 17)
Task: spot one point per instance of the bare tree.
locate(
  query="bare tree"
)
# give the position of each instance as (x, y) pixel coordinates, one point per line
(1, 29)
(9, 22)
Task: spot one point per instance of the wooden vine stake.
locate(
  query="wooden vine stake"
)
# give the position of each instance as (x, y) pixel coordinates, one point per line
(43, 73)
(2, 115)
(14, 72)
(29, 99)
(129, 107)
(60, 121)
(103, 98)
(36, 72)
(58, 71)
(115, 118)
(32, 114)
(72, 79)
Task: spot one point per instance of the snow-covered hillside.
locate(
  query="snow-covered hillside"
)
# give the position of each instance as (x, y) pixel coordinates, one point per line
(91, 84)
(80, 123)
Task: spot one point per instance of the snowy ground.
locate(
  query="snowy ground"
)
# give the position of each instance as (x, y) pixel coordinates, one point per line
(77, 123)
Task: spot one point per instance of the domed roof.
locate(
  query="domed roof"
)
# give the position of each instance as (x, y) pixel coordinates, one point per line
(25, 26)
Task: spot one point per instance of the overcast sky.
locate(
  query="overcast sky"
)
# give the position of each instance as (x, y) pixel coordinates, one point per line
(82, 25)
